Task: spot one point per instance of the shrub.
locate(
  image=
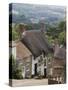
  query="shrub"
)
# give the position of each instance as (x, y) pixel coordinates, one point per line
(15, 71)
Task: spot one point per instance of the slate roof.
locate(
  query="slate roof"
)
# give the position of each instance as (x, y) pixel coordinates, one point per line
(36, 42)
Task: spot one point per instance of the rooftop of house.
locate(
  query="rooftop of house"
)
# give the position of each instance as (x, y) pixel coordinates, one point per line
(22, 51)
(60, 52)
(36, 42)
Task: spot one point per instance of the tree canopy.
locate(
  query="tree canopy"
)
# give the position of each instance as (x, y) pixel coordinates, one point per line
(57, 32)
(53, 32)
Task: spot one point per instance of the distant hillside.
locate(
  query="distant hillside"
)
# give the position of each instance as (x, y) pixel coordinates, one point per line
(26, 13)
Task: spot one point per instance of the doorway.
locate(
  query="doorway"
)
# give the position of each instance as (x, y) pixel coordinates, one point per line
(45, 73)
(35, 69)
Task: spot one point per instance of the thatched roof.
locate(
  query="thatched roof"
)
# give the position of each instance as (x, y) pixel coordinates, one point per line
(36, 42)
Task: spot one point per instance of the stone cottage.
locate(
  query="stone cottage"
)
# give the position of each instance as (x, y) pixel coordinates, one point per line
(57, 65)
(31, 53)
(36, 42)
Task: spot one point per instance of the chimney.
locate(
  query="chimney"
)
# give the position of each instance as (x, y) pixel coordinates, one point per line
(56, 44)
(42, 24)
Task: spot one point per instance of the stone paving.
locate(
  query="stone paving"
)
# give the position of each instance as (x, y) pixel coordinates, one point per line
(29, 82)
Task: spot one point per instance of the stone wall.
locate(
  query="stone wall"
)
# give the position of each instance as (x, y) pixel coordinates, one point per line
(26, 66)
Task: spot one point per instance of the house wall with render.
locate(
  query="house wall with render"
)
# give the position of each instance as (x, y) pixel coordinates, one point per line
(40, 61)
(12, 49)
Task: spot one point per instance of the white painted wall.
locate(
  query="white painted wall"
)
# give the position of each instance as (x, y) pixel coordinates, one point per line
(12, 51)
(23, 72)
(33, 63)
(42, 69)
(39, 68)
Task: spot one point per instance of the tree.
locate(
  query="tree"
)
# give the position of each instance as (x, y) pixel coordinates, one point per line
(62, 38)
(13, 33)
(15, 71)
(62, 26)
(57, 32)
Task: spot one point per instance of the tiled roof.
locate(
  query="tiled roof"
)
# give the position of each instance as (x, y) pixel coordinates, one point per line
(22, 51)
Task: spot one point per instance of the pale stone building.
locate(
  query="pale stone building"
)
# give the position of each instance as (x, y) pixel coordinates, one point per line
(31, 53)
(37, 44)
(57, 65)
